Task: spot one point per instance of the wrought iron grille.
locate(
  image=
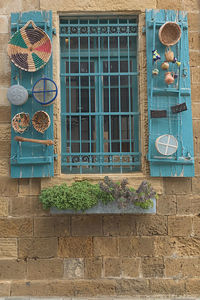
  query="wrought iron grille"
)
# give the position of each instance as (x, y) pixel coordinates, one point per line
(99, 95)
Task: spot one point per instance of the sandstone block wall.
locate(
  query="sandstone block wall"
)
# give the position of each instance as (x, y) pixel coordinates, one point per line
(45, 255)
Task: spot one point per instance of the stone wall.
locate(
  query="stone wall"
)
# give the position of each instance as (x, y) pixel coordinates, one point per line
(45, 255)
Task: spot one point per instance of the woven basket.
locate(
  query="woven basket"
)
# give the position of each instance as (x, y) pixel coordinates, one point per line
(41, 121)
(20, 122)
(169, 33)
(29, 48)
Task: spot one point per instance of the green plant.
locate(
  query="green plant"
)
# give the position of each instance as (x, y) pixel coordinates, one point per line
(82, 195)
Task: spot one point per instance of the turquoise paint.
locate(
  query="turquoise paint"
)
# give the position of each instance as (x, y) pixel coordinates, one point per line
(161, 96)
(30, 160)
(97, 56)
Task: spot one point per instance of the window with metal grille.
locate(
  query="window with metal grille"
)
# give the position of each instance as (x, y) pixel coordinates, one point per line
(99, 95)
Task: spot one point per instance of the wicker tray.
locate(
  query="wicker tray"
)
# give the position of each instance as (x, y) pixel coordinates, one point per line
(29, 48)
(169, 33)
(41, 121)
(20, 122)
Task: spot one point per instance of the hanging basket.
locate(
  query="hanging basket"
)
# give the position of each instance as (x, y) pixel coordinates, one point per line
(169, 33)
(41, 121)
(29, 48)
(20, 122)
(45, 91)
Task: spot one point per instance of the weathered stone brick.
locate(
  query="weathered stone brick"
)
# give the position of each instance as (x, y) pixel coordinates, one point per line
(162, 4)
(3, 206)
(196, 183)
(38, 247)
(152, 267)
(4, 289)
(30, 186)
(166, 205)
(4, 71)
(165, 246)
(193, 286)
(167, 287)
(45, 269)
(177, 185)
(130, 267)
(94, 288)
(191, 5)
(42, 288)
(8, 248)
(105, 246)
(196, 110)
(131, 287)
(112, 267)
(16, 227)
(5, 111)
(179, 226)
(5, 166)
(8, 187)
(136, 246)
(7, 7)
(52, 226)
(188, 246)
(193, 22)
(196, 226)
(5, 149)
(151, 225)
(195, 180)
(73, 268)
(30, 5)
(86, 225)
(3, 24)
(195, 74)
(194, 40)
(75, 247)
(3, 90)
(182, 267)
(188, 204)
(26, 206)
(85, 5)
(119, 225)
(12, 269)
(194, 58)
(93, 267)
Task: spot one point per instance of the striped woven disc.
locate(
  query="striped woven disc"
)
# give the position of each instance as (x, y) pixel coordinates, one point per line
(29, 48)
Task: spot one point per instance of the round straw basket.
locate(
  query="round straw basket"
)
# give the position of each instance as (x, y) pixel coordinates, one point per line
(29, 48)
(169, 33)
(41, 121)
(20, 122)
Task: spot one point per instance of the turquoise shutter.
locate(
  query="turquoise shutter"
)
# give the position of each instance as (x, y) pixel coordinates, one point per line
(163, 118)
(30, 159)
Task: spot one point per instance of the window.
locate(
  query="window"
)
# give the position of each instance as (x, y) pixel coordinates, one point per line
(99, 95)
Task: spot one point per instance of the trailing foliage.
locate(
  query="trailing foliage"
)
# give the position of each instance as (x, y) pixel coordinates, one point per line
(82, 195)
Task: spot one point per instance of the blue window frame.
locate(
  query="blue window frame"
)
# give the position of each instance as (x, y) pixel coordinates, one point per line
(99, 95)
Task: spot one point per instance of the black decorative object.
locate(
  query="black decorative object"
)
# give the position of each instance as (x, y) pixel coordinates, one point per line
(158, 113)
(178, 108)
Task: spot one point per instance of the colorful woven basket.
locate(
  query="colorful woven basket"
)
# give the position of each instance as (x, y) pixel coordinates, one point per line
(20, 122)
(41, 121)
(29, 48)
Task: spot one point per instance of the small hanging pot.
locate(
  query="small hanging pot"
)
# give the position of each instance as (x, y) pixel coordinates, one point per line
(165, 65)
(169, 78)
(169, 55)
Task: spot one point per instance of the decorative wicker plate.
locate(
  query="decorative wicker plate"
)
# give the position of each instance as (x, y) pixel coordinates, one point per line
(169, 33)
(29, 48)
(20, 122)
(41, 121)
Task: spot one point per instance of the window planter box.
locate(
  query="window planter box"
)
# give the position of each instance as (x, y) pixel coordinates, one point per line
(110, 208)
